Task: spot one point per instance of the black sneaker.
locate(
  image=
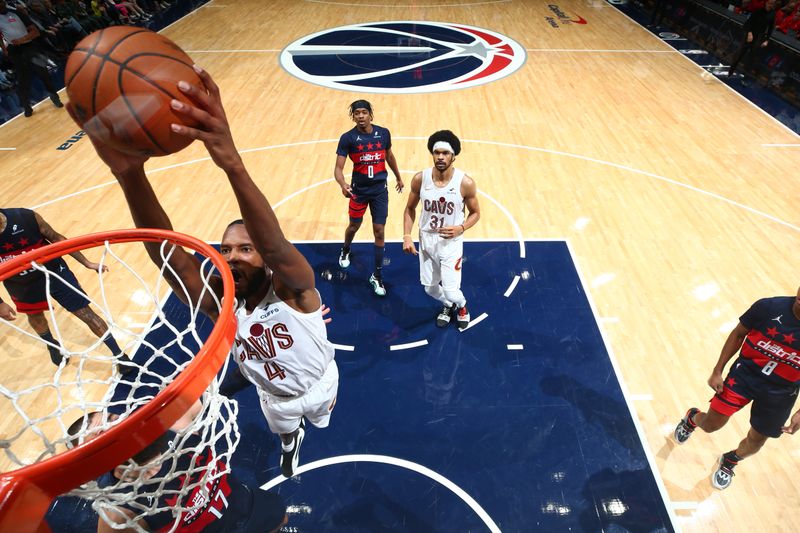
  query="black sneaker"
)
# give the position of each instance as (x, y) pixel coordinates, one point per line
(126, 365)
(55, 355)
(28, 111)
(56, 100)
(444, 316)
(290, 459)
(686, 426)
(723, 475)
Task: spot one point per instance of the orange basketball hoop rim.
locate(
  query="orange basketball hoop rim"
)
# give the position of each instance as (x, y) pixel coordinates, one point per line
(26, 493)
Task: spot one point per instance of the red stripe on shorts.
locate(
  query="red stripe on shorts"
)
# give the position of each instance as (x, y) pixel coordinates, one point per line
(357, 209)
(728, 402)
(28, 308)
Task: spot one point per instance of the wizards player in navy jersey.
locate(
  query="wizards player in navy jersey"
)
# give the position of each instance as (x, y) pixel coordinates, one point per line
(21, 231)
(370, 148)
(223, 504)
(767, 372)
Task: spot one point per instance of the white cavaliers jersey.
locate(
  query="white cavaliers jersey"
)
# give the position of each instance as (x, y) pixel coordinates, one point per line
(280, 350)
(441, 206)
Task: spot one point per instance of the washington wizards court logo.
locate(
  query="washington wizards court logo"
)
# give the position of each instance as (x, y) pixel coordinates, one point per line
(403, 57)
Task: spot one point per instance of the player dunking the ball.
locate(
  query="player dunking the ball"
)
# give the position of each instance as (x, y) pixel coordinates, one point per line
(370, 148)
(281, 343)
(444, 191)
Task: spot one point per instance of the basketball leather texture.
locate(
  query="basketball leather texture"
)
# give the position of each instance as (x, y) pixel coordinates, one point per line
(120, 81)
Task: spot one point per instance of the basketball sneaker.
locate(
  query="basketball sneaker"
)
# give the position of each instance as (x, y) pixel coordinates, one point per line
(344, 258)
(126, 365)
(291, 458)
(377, 285)
(686, 426)
(462, 317)
(56, 100)
(723, 475)
(444, 316)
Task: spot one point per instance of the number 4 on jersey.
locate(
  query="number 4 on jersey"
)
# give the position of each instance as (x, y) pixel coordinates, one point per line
(274, 371)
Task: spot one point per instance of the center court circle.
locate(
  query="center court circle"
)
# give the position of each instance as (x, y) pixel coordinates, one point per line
(403, 57)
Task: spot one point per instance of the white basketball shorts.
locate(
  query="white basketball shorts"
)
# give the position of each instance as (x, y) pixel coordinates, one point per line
(440, 260)
(284, 414)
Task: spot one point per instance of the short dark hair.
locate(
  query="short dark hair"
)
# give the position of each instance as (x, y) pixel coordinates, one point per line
(446, 136)
(360, 104)
(150, 452)
(235, 222)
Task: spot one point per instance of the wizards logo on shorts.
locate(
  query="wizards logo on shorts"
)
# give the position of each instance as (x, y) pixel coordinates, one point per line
(403, 57)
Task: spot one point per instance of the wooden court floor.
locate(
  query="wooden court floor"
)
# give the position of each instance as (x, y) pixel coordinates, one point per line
(677, 206)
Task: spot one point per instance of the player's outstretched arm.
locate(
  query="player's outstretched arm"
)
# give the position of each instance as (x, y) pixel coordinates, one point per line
(147, 212)
(285, 261)
(52, 235)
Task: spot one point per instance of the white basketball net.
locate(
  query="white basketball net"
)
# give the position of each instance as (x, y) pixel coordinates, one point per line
(39, 401)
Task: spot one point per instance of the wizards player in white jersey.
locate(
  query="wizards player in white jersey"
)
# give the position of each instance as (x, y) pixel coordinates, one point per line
(767, 372)
(282, 346)
(444, 192)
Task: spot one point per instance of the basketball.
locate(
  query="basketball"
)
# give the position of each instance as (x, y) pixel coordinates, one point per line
(120, 81)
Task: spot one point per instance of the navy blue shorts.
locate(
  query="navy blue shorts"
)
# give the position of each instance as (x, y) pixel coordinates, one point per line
(772, 402)
(378, 206)
(31, 298)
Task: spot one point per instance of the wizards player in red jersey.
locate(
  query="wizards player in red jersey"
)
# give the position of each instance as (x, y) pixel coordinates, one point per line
(23, 230)
(370, 148)
(767, 372)
(220, 505)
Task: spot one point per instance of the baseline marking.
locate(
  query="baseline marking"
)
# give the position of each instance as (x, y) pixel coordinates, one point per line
(625, 392)
(514, 346)
(402, 463)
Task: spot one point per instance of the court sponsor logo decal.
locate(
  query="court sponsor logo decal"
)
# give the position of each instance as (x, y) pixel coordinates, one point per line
(403, 57)
(72, 140)
(561, 18)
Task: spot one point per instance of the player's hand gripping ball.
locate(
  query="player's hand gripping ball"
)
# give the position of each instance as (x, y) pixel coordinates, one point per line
(120, 81)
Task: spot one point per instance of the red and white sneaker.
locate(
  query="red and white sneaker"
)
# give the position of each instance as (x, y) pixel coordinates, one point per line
(462, 317)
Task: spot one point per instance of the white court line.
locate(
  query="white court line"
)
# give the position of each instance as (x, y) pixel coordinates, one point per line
(514, 346)
(627, 396)
(463, 4)
(511, 287)
(402, 463)
(600, 51)
(408, 345)
(231, 51)
(649, 174)
(344, 347)
(787, 128)
(475, 322)
(514, 224)
(517, 230)
(7, 149)
(685, 505)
